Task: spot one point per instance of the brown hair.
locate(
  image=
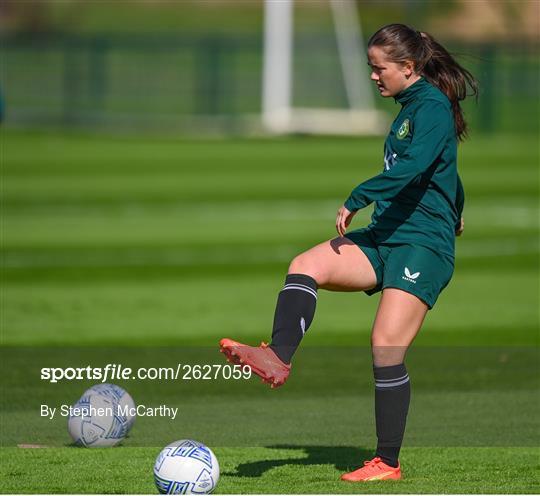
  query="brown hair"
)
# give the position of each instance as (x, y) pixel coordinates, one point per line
(432, 61)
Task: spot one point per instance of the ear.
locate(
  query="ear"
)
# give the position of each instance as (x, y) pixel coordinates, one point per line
(408, 68)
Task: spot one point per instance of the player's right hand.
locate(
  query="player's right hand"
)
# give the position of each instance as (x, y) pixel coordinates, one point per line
(343, 219)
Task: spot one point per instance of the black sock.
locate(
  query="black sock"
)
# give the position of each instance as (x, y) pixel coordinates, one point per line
(294, 313)
(392, 396)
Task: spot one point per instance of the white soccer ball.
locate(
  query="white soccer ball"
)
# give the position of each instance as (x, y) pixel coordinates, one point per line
(186, 467)
(94, 422)
(121, 396)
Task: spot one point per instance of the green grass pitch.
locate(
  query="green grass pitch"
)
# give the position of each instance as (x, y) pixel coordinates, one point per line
(131, 244)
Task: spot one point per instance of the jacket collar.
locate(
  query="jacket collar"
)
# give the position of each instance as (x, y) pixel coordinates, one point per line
(412, 91)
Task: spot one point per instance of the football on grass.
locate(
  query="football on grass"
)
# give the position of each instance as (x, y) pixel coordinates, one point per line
(186, 467)
(96, 421)
(122, 398)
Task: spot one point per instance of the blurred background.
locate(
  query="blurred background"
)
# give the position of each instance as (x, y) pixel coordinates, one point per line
(195, 66)
(137, 176)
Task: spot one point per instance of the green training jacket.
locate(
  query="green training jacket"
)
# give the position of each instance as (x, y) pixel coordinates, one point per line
(419, 196)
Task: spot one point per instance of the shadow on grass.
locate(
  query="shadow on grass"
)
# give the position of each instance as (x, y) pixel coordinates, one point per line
(344, 458)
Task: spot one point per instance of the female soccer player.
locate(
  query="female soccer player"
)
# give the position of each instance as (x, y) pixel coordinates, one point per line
(407, 251)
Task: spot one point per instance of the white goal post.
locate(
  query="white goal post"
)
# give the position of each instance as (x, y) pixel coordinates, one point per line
(279, 115)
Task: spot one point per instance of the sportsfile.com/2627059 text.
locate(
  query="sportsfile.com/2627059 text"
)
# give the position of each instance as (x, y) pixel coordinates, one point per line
(112, 371)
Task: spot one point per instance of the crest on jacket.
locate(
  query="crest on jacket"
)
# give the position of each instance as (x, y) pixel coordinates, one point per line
(403, 130)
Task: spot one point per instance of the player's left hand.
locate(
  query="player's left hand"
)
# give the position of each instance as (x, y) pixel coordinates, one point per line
(343, 219)
(459, 230)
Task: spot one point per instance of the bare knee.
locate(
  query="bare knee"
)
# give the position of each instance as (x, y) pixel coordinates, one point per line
(305, 263)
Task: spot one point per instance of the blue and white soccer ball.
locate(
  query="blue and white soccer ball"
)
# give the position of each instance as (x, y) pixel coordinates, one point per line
(121, 396)
(186, 467)
(97, 420)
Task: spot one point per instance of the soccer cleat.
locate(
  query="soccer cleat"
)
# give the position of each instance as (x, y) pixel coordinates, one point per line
(260, 359)
(373, 470)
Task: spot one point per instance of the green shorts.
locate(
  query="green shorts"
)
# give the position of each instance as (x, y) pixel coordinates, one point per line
(415, 269)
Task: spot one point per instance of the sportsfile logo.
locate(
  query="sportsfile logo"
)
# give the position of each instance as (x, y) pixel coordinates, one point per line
(410, 277)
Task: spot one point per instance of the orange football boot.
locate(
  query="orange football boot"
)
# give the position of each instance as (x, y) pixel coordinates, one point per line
(373, 470)
(261, 359)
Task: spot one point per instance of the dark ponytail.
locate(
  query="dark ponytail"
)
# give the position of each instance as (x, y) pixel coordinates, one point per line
(432, 61)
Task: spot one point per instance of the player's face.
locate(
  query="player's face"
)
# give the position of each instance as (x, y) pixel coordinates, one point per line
(390, 77)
